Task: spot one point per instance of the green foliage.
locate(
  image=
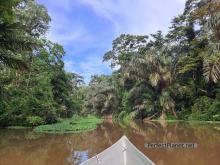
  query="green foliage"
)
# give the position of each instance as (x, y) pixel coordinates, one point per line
(121, 115)
(205, 109)
(214, 111)
(34, 88)
(179, 72)
(188, 64)
(101, 98)
(126, 103)
(34, 120)
(17, 127)
(170, 117)
(127, 119)
(173, 75)
(211, 67)
(123, 48)
(74, 125)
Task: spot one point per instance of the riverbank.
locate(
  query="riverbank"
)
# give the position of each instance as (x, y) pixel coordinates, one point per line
(128, 118)
(187, 121)
(79, 124)
(18, 127)
(74, 125)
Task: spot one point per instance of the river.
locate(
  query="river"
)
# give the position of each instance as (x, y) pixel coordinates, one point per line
(24, 147)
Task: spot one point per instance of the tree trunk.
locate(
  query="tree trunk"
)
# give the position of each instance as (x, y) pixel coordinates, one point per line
(163, 116)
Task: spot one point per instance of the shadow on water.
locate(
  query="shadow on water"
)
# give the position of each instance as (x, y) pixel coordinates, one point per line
(24, 147)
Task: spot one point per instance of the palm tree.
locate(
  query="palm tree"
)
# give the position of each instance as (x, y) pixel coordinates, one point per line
(154, 68)
(101, 97)
(211, 57)
(211, 30)
(211, 68)
(15, 42)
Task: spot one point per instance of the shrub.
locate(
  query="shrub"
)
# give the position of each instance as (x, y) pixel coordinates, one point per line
(34, 120)
(205, 109)
(126, 106)
(122, 115)
(184, 113)
(214, 111)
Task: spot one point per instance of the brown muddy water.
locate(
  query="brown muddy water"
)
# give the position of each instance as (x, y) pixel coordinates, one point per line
(24, 147)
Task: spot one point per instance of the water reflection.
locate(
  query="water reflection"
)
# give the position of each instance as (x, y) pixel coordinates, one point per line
(79, 156)
(26, 147)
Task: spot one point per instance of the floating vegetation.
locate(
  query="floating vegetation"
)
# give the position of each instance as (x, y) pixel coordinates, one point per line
(74, 125)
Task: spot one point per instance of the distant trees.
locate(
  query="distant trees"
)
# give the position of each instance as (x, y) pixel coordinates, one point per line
(102, 96)
(34, 88)
(13, 41)
(156, 76)
(173, 75)
(156, 71)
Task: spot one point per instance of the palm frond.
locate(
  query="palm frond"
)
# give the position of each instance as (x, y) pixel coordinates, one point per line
(8, 58)
(211, 68)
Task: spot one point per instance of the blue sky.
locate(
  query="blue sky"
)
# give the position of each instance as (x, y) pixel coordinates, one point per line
(86, 28)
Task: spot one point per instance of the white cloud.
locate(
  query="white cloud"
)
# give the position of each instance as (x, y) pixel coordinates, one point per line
(136, 17)
(63, 27)
(183, 1)
(58, 4)
(68, 35)
(119, 16)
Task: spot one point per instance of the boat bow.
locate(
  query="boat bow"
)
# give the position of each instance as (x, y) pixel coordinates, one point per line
(123, 152)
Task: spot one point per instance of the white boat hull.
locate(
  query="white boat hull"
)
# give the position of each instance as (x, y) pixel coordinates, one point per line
(123, 152)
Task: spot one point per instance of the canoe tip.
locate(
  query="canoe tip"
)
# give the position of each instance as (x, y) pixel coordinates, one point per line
(124, 137)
